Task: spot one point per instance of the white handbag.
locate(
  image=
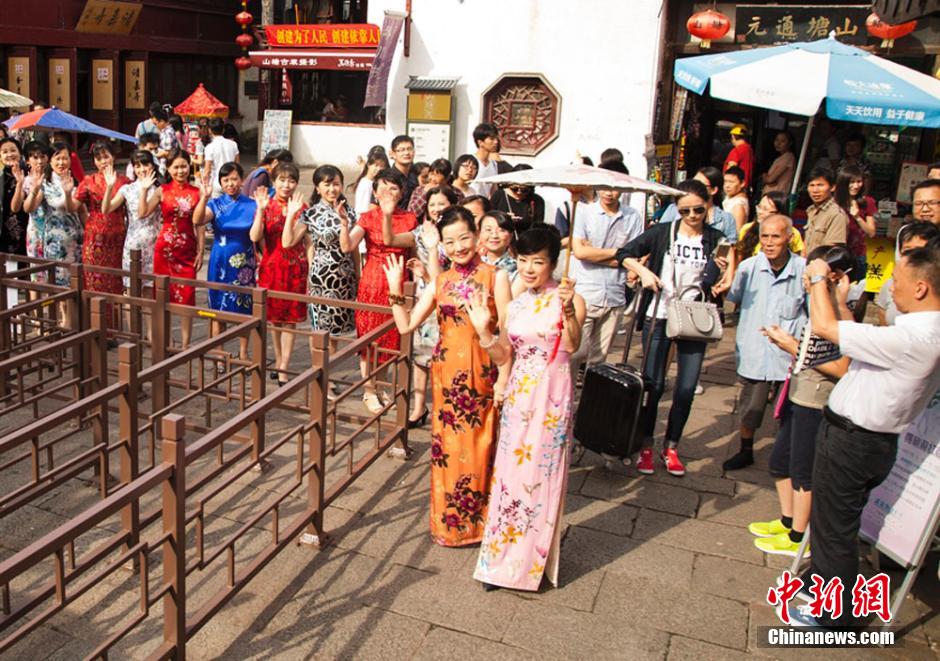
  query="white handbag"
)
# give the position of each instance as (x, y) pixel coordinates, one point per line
(693, 320)
(690, 320)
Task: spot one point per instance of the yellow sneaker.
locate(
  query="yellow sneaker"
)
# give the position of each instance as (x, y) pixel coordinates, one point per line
(780, 545)
(767, 528)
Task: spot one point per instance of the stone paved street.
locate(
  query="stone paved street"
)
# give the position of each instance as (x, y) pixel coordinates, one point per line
(651, 567)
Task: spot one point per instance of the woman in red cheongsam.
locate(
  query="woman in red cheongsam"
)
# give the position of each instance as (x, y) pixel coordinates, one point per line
(373, 285)
(281, 269)
(104, 232)
(179, 247)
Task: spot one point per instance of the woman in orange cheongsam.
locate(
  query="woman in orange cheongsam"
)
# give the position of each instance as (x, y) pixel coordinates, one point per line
(463, 429)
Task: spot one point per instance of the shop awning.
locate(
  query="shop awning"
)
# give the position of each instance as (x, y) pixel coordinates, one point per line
(347, 59)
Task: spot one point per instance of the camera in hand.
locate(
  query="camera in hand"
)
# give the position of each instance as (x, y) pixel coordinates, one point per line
(839, 259)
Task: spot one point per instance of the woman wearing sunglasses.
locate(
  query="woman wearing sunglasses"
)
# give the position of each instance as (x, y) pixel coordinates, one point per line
(680, 256)
(523, 205)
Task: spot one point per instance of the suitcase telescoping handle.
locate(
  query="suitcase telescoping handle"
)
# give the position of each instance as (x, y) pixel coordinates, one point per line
(638, 296)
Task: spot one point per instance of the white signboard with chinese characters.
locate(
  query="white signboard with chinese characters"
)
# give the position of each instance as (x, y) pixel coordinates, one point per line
(275, 133)
(901, 515)
(432, 140)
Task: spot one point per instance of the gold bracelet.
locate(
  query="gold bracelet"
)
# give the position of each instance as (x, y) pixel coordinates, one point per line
(396, 299)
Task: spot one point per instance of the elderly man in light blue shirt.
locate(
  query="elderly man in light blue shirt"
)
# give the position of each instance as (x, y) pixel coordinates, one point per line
(768, 288)
(601, 229)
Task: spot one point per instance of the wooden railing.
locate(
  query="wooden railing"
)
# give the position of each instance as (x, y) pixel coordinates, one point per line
(177, 509)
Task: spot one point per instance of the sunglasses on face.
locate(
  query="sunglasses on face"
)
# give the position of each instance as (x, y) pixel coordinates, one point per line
(520, 190)
(698, 211)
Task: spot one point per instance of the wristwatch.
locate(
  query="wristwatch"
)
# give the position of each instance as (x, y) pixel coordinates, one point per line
(813, 279)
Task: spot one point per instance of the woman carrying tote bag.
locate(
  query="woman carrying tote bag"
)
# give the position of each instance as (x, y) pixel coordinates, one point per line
(680, 261)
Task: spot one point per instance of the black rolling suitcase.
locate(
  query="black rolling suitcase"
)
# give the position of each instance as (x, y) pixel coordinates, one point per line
(612, 396)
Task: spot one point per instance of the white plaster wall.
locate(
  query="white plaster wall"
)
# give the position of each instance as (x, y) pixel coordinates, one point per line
(338, 145)
(600, 55)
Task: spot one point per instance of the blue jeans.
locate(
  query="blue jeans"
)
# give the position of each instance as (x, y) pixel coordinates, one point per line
(689, 355)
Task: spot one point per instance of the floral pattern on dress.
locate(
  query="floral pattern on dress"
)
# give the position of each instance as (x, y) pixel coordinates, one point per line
(282, 269)
(232, 259)
(463, 429)
(466, 404)
(35, 231)
(438, 456)
(505, 262)
(174, 252)
(64, 232)
(141, 232)
(104, 234)
(332, 271)
(427, 336)
(465, 505)
(522, 530)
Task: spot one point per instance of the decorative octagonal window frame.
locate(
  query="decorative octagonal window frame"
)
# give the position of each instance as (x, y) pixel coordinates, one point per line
(526, 109)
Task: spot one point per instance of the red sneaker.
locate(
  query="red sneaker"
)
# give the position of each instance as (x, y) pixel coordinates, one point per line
(673, 466)
(644, 464)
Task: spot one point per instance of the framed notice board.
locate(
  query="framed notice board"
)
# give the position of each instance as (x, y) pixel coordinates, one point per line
(430, 117)
(275, 133)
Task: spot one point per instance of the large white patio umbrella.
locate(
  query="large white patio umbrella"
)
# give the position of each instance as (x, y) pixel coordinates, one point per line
(796, 78)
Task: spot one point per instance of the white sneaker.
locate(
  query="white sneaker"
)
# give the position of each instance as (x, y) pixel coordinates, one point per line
(699, 389)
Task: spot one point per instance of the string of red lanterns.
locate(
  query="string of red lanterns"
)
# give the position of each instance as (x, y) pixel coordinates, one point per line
(244, 40)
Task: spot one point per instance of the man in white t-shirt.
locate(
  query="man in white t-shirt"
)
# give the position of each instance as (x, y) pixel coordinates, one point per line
(486, 138)
(219, 151)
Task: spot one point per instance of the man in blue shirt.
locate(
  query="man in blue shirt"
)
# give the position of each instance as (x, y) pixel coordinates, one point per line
(601, 229)
(769, 290)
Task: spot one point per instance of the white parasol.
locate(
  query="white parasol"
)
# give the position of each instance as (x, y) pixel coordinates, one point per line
(576, 179)
(10, 99)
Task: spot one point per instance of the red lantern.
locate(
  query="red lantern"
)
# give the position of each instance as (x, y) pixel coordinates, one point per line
(243, 63)
(887, 32)
(244, 40)
(708, 25)
(244, 19)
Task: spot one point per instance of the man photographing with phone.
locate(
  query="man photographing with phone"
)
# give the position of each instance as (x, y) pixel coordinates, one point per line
(894, 372)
